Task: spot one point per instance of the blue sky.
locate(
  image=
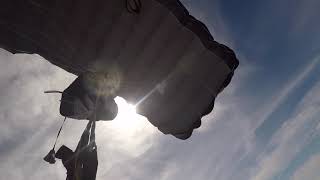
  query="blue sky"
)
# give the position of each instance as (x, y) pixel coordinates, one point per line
(265, 125)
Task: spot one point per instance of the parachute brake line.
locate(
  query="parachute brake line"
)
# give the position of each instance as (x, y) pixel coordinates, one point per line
(50, 157)
(133, 6)
(93, 125)
(59, 132)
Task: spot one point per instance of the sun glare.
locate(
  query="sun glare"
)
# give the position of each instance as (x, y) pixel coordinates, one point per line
(130, 131)
(127, 118)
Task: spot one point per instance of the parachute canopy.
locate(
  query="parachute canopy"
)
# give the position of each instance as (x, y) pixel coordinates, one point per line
(153, 53)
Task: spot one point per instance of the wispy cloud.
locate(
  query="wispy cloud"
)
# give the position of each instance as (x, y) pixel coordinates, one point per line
(290, 139)
(289, 87)
(225, 149)
(309, 170)
(30, 120)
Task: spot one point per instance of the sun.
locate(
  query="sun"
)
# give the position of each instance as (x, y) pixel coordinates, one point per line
(130, 131)
(127, 118)
(125, 110)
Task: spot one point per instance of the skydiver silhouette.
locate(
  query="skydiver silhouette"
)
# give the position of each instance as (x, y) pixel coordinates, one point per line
(67, 157)
(83, 163)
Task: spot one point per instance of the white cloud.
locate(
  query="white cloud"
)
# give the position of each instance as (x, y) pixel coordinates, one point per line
(289, 87)
(309, 170)
(213, 19)
(28, 116)
(215, 153)
(290, 139)
(30, 120)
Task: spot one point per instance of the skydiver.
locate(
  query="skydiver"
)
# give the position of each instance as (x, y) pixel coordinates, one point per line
(68, 159)
(83, 163)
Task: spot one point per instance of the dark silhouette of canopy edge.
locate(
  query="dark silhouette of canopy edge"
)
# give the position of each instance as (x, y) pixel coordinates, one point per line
(45, 28)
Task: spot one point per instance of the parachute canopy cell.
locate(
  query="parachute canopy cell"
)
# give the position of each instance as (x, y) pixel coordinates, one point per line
(153, 53)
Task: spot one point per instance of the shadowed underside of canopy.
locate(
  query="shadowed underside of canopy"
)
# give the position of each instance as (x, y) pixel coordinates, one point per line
(156, 55)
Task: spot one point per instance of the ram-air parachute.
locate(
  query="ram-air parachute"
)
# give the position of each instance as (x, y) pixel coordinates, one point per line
(150, 52)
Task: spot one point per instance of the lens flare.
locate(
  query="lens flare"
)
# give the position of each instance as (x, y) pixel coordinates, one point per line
(127, 117)
(130, 131)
